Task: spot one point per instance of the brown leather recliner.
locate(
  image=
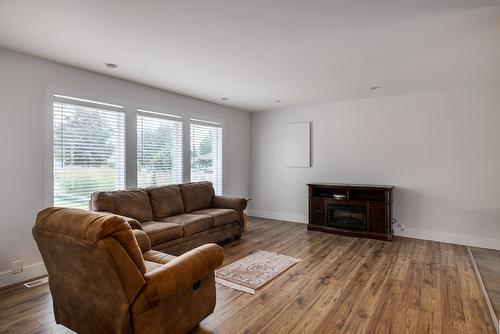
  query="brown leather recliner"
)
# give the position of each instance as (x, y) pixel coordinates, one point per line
(104, 277)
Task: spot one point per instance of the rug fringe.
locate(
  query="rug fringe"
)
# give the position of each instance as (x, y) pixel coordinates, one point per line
(234, 286)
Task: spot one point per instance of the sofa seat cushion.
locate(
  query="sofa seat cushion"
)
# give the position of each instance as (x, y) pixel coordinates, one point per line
(197, 195)
(220, 216)
(191, 224)
(166, 201)
(159, 232)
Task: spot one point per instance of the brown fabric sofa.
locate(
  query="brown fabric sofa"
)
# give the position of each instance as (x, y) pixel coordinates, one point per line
(176, 218)
(104, 277)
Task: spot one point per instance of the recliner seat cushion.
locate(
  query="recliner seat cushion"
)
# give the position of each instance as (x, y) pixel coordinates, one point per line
(157, 257)
(191, 224)
(159, 232)
(132, 203)
(166, 201)
(150, 265)
(220, 216)
(197, 195)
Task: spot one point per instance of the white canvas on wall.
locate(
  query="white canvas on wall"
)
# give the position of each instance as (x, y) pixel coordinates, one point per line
(298, 144)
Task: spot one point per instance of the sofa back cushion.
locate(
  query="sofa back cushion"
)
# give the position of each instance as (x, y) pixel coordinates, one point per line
(166, 201)
(132, 203)
(197, 195)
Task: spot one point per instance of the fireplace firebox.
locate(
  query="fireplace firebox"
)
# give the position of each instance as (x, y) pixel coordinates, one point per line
(351, 217)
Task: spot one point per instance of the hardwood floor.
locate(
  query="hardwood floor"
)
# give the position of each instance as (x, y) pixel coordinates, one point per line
(343, 285)
(488, 264)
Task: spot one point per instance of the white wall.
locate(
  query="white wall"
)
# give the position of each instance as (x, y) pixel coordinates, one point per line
(24, 83)
(441, 149)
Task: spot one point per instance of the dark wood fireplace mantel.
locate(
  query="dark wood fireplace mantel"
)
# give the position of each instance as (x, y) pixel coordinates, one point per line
(361, 210)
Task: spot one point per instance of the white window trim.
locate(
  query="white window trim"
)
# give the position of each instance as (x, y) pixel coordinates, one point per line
(218, 121)
(159, 114)
(165, 116)
(203, 121)
(52, 94)
(130, 109)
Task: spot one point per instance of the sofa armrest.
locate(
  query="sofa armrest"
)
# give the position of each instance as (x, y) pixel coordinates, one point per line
(224, 202)
(143, 240)
(181, 273)
(134, 224)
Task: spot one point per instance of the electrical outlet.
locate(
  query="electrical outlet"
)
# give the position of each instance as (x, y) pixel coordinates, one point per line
(17, 266)
(401, 227)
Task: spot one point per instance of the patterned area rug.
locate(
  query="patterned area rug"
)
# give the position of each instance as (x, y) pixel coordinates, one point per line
(254, 271)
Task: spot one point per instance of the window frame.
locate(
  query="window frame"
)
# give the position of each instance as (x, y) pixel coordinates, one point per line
(216, 124)
(106, 108)
(130, 111)
(159, 115)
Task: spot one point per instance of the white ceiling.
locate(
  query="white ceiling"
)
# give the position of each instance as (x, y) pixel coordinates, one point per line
(257, 51)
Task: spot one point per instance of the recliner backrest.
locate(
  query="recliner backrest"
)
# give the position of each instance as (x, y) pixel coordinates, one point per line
(95, 267)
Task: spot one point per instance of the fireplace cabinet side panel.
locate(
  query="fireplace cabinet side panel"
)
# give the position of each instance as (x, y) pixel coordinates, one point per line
(317, 214)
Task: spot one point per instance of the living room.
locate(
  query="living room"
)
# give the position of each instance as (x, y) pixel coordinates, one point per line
(351, 147)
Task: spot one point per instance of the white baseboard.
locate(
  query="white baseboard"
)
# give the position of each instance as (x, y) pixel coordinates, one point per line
(278, 216)
(452, 238)
(29, 272)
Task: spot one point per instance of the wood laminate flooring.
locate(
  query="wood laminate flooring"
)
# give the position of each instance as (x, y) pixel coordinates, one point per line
(343, 285)
(488, 264)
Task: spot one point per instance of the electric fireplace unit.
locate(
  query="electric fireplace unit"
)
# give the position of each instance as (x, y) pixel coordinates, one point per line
(356, 210)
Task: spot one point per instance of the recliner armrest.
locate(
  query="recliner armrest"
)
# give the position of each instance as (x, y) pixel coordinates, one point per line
(181, 273)
(134, 224)
(143, 240)
(224, 202)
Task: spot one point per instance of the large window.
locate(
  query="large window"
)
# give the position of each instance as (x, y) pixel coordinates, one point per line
(206, 153)
(89, 149)
(159, 149)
